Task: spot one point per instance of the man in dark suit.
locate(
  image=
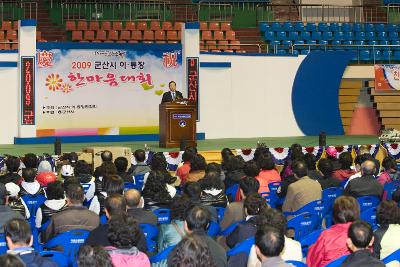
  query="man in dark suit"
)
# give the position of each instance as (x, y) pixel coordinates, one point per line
(134, 204)
(172, 95)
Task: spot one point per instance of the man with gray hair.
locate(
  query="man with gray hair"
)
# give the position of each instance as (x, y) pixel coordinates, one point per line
(134, 205)
(366, 185)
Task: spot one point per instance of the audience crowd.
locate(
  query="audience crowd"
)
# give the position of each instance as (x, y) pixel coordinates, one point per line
(119, 205)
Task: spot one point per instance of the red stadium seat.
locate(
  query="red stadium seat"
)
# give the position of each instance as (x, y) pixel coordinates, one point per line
(178, 26)
(2, 36)
(223, 45)
(76, 35)
(155, 25)
(125, 35)
(12, 35)
(206, 35)
(5, 46)
(14, 46)
(203, 26)
(6, 25)
(210, 45)
(88, 36)
(234, 45)
(15, 25)
(94, 26)
(213, 26)
(112, 35)
(117, 25)
(39, 35)
(141, 26)
(106, 25)
(101, 35)
(226, 26)
(159, 36)
(172, 37)
(167, 26)
(130, 26)
(148, 36)
(82, 25)
(218, 35)
(70, 25)
(230, 35)
(136, 36)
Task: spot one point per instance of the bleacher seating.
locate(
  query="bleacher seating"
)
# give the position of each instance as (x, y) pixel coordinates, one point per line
(356, 37)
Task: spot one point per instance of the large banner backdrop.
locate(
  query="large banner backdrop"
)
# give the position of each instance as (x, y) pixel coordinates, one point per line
(103, 89)
(387, 77)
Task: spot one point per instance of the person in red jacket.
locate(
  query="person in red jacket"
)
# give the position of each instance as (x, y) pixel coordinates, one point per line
(346, 162)
(332, 243)
(268, 173)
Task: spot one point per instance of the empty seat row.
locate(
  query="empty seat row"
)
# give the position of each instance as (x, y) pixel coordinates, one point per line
(12, 35)
(363, 55)
(218, 35)
(9, 25)
(223, 45)
(396, 44)
(215, 26)
(333, 27)
(83, 25)
(127, 36)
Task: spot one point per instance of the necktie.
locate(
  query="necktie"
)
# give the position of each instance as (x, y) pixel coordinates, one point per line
(173, 95)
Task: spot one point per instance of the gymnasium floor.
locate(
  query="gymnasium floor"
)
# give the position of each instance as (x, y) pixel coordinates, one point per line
(204, 145)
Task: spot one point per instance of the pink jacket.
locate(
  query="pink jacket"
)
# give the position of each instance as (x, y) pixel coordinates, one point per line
(265, 177)
(330, 245)
(128, 257)
(343, 174)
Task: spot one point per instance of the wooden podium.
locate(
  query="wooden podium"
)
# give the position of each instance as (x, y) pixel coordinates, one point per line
(177, 123)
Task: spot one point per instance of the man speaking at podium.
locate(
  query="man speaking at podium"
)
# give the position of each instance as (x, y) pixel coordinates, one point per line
(172, 95)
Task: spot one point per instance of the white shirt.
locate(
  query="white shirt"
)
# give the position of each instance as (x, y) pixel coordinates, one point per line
(54, 204)
(356, 175)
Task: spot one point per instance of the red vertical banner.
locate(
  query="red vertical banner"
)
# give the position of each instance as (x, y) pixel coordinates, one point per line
(28, 90)
(192, 65)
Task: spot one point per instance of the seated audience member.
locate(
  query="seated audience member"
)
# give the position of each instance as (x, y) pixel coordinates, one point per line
(261, 150)
(226, 154)
(5, 210)
(332, 243)
(9, 260)
(155, 192)
(45, 174)
(12, 176)
(15, 201)
(396, 196)
(115, 206)
(29, 186)
(183, 171)
(67, 171)
(269, 243)
(214, 167)
(273, 218)
(106, 157)
(358, 161)
(83, 173)
(303, 191)
(234, 170)
(331, 154)
(30, 160)
(359, 242)
(72, 159)
(108, 168)
(311, 162)
(123, 234)
(121, 163)
(390, 173)
(325, 166)
(141, 167)
(192, 192)
(135, 203)
(234, 212)
(251, 168)
(159, 163)
(192, 251)
(197, 168)
(366, 185)
(345, 171)
(213, 191)
(296, 154)
(388, 233)
(55, 203)
(365, 150)
(94, 256)
(75, 216)
(196, 222)
(268, 173)
(19, 241)
(254, 204)
(112, 184)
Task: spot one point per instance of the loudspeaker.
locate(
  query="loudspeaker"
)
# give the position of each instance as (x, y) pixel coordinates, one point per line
(57, 146)
(322, 139)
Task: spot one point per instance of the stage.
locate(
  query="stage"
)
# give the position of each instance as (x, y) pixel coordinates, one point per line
(203, 145)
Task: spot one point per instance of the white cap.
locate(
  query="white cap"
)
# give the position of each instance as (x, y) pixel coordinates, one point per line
(67, 170)
(12, 189)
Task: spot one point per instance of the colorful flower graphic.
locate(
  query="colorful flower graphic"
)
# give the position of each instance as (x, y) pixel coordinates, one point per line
(66, 88)
(54, 82)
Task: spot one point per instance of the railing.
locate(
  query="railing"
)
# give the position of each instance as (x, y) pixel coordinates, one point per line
(260, 46)
(324, 13)
(15, 10)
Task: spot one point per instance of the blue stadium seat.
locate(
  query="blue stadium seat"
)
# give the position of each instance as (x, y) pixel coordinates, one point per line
(281, 52)
(369, 216)
(369, 27)
(103, 219)
(163, 215)
(56, 256)
(396, 55)
(70, 241)
(230, 228)
(357, 27)
(348, 42)
(264, 27)
(373, 42)
(360, 36)
(390, 188)
(295, 52)
(355, 54)
(139, 181)
(376, 54)
(314, 207)
(334, 27)
(359, 42)
(384, 43)
(269, 36)
(280, 36)
(380, 27)
(304, 52)
(395, 256)
(337, 262)
(163, 255)
(396, 42)
(348, 36)
(391, 27)
(276, 26)
(393, 36)
(338, 36)
(370, 36)
(311, 27)
(316, 36)
(336, 44)
(308, 240)
(323, 27)
(345, 27)
(33, 202)
(220, 213)
(299, 42)
(3, 244)
(293, 36)
(323, 42)
(381, 36)
(275, 200)
(213, 229)
(299, 26)
(387, 55)
(304, 224)
(287, 26)
(329, 195)
(327, 35)
(242, 247)
(305, 36)
(365, 54)
(231, 191)
(151, 233)
(367, 202)
(286, 44)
